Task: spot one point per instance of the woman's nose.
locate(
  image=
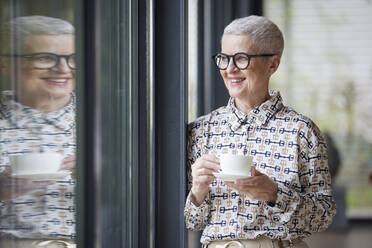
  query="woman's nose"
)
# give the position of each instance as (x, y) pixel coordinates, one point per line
(62, 65)
(231, 66)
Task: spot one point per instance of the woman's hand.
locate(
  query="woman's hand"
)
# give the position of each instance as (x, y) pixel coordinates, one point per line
(202, 175)
(68, 163)
(258, 187)
(13, 187)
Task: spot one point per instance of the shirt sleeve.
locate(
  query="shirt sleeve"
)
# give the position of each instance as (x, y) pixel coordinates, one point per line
(4, 174)
(196, 217)
(308, 207)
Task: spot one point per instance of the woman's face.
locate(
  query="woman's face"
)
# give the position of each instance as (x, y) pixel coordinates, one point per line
(254, 79)
(55, 83)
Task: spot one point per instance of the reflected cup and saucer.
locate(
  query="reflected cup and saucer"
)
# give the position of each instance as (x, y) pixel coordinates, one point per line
(43, 176)
(38, 166)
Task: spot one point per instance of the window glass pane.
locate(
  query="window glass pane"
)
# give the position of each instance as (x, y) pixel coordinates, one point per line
(192, 236)
(192, 59)
(37, 123)
(326, 73)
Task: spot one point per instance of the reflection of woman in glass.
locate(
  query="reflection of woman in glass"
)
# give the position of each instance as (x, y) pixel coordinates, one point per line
(288, 196)
(38, 116)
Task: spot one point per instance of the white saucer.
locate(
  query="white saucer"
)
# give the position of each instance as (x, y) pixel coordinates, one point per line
(229, 177)
(44, 176)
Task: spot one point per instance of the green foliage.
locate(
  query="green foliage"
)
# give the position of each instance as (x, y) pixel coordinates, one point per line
(359, 198)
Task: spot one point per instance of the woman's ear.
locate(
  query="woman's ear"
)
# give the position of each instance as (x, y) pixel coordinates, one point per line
(274, 64)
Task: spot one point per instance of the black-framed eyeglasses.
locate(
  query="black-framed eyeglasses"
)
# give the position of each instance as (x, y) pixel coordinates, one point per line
(45, 61)
(241, 60)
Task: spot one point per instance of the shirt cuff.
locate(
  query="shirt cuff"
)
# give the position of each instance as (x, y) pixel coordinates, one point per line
(196, 216)
(285, 198)
(193, 208)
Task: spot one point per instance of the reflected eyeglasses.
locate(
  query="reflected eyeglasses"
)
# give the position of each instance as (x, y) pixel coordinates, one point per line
(45, 61)
(240, 60)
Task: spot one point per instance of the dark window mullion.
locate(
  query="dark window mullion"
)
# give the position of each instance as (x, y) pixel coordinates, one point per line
(170, 120)
(107, 121)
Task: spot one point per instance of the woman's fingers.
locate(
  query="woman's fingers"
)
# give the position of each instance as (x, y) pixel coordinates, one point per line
(202, 174)
(205, 178)
(68, 166)
(229, 183)
(259, 187)
(68, 163)
(205, 165)
(69, 159)
(247, 182)
(204, 171)
(210, 157)
(207, 161)
(15, 187)
(203, 168)
(40, 184)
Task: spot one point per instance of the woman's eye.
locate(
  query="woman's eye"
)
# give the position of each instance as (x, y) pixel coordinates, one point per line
(241, 58)
(224, 59)
(45, 58)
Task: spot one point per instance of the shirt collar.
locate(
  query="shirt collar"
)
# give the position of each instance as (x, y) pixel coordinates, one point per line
(260, 115)
(23, 116)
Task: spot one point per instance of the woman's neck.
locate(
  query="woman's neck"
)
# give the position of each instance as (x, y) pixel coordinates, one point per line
(251, 101)
(45, 104)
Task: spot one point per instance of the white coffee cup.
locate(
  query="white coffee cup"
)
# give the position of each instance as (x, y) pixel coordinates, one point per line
(35, 163)
(235, 164)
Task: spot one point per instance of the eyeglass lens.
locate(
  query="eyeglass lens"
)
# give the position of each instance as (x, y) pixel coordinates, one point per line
(240, 60)
(46, 61)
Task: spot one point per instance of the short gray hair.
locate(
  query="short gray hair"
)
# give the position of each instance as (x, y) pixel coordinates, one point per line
(20, 27)
(266, 36)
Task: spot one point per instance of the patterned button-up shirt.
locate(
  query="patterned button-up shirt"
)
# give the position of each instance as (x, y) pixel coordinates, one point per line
(286, 146)
(47, 212)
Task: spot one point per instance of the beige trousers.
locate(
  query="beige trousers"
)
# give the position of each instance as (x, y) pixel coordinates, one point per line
(35, 243)
(262, 242)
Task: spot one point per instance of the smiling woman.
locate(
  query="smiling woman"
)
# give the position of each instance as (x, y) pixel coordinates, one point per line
(39, 83)
(37, 119)
(249, 84)
(279, 203)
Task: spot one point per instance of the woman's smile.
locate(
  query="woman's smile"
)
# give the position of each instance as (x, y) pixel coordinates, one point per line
(58, 81)
(236, 81)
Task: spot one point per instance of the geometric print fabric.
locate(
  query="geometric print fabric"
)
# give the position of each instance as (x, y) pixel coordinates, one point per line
(286, 146)
(47, 212)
